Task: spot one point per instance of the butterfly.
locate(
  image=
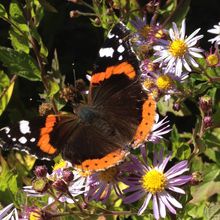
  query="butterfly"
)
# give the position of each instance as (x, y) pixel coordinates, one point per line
(119, 113)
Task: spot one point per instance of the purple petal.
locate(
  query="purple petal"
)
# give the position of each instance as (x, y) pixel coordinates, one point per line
(162, 208)
(132, 189)
(134, 197)
(164, 163)
(177, 173)
(179, 166)
(176, 189)
(167, 204)
(145, 204)
(172, 200)
(179, 180)
(155, 207)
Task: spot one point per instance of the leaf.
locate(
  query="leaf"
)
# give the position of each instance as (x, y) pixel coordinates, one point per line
(20, 63)
(167, 106)
(18, 41)
(16, 13)
(5, 91)
(212, 211)
(43, 49)
(3, 12)
(8, 180)
(17, 17)
(48, 6)
(54, 88)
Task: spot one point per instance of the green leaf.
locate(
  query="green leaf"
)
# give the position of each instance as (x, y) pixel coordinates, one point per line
(212, 211)
(5, 91)
(3, 12)
(20, 63)
(17, 17)
(54, 88)
(8, 180)
(16, 13)
(43, 49)
(18, 41)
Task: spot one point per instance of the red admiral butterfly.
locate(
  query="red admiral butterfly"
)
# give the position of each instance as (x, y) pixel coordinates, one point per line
(118, 113)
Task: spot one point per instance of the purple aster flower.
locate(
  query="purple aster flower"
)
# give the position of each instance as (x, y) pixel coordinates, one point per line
(102, 183)
(160, 83)
(153, 182)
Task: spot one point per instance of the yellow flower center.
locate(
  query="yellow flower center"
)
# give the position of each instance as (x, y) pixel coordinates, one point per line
(148, 84)
(212, 59)
(153, 181)
(35, 216)
(108, 175)
(145, 31)
(164, 82)
(178, 48)
(159, 34)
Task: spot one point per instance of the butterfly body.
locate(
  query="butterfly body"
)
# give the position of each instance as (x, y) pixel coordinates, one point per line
(118, 113)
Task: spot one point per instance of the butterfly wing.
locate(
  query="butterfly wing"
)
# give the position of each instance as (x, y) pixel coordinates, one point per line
(116, 90)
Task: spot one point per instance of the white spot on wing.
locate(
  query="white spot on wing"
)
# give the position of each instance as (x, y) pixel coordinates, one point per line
(32, 139)
(24, 127)
(9, 135)
(120, 49)
(120, 41)
(120, 57)
(110, 35)
(13, 139)
(106, 52)
(22, 140)
(7, 129)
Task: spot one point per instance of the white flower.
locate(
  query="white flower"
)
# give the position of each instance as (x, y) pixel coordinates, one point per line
(178, 52)
(215, 30)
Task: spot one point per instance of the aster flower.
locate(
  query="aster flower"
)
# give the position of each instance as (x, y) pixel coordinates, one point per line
(179, 51)
(160, 128)
(9, 213)
(160, 83)
(215, 30)
(153, 182)
(102, 183)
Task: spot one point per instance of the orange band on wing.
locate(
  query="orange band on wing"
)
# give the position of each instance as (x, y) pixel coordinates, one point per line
(44, 141)
(122, 68)
(110, 160)
(148, 119)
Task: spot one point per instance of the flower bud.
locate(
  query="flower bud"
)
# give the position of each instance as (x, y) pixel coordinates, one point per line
(176, 106)
(205, 103)
(196, 178)
(74, 13)
(40, 185)
(40, 171)
(207, 121)
(60, 185)
(68, 176)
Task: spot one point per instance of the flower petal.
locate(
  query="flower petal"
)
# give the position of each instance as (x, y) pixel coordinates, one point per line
(176, 189)
(179, 166)
(155, 207)
(162, 208)
(167, 204)
(181, 180)
(145, 204)
(173, 201)
(134, 197)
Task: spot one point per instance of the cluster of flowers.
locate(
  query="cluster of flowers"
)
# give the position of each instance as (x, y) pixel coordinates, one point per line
(168, 56)
(135, 179)
(130, 181)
